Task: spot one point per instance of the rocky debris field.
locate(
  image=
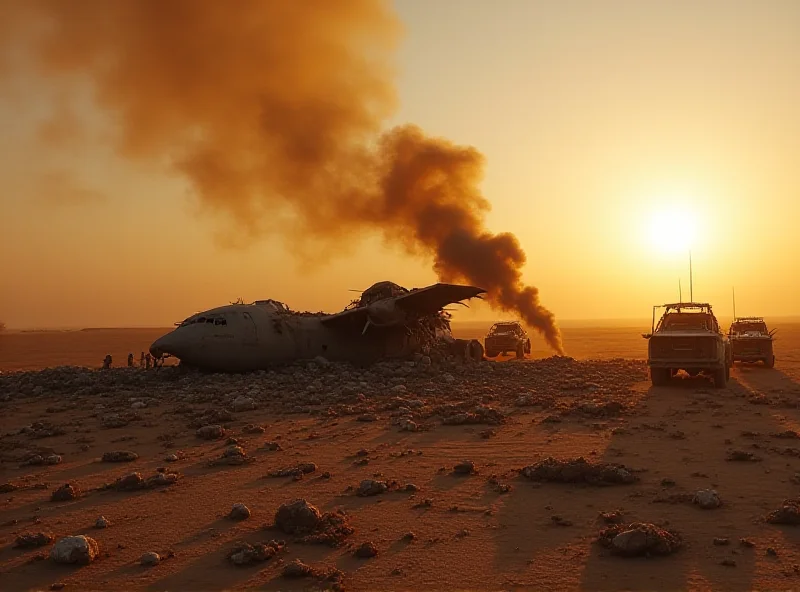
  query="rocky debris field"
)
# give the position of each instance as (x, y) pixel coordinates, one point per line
(420, 474)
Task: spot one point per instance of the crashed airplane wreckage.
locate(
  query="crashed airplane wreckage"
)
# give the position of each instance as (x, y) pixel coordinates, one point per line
(387, 321)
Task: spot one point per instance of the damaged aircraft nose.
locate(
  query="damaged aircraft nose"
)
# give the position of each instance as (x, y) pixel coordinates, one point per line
(168, 344)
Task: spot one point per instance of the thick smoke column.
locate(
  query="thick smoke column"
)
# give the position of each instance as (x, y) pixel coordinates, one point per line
(276, 106)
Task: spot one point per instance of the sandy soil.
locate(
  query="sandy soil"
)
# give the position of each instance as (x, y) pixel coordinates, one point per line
(468, 531)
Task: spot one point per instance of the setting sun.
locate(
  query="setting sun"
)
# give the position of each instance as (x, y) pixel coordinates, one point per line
(672, 230)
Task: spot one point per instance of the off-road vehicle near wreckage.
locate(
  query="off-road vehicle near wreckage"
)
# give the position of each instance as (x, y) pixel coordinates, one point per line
(507, 336)
(751, 341)
(688, 337)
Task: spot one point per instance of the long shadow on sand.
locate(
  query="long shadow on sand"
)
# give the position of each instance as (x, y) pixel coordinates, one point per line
(683, 435)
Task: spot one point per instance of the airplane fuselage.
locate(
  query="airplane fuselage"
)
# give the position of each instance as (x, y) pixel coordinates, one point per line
(244, 337)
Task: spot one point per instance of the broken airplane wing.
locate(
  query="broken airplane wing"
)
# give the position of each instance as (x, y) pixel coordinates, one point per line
(395, 310)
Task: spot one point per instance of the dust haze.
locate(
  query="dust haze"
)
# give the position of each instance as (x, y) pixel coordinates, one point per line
(274, 108)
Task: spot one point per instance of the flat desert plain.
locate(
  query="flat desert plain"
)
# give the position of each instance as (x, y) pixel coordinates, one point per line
(438, 475)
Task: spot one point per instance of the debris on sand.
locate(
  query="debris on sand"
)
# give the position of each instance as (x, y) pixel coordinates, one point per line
(75, 549)
(302, 519)
(787, 435)
(120, 456)
(272, 446)
(239, 512)
(42, 429)
(708, 499)
(232, 455)
(742, 456)
(614, 517)
(466, 467)
(30, 541)
(102, 522)
(65, 493)
(134, 481)
(482, 414)
(366, 550)
(246, 554)
(297, 471)
(369, 487)
(175, 456)
(788, 514)
(242, 403)
(150, 559)
(8, 487)
(116, 420)
(39, 460)
(210, 432)
(579, 470)
(639, 539)
(298, 569)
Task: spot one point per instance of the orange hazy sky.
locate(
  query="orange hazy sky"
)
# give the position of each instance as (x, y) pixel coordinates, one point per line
(617, 135)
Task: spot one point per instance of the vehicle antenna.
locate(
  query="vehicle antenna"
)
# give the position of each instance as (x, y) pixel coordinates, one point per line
(680, 293)
(733, 291)
(691, 293)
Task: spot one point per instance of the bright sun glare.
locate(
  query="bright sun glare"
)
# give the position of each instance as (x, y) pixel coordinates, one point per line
(672, 230)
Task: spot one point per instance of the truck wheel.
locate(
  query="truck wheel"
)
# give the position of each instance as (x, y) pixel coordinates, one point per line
(520, 351)
(720, 377)
(491, 353)
(770, 362)
(528, 346)
(659, 376)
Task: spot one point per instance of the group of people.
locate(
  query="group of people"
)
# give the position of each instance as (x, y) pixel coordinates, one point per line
(145, 361)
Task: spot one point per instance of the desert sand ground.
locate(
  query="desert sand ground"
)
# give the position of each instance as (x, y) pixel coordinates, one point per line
(492, 528)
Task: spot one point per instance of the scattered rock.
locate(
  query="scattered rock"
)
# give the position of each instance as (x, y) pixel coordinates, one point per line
(707, 499)
(102, 522)
(150, 559)
(370, 487)
(721, 542)
(273, 446)
(639, 539)
(299, 470)
(120, 456)
(366, 550)
(75, 549)
(245, 553)
(66, 493)
(30, 541)
(210, 432)
(742, 456)
(579, 471)
(728, 562)
(789, 513)
(466, 467)
(297, 517)
(243, 403)
(239, 512)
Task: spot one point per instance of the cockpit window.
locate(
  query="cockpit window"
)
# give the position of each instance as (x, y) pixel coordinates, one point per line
(220, 321)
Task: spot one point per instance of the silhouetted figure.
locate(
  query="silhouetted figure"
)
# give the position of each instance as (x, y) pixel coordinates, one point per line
(147, 359)
(130, 360)
(107, 362)
(141, 360)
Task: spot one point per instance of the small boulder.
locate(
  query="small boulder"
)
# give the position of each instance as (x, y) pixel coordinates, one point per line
(243, 403)
(75, 549)
(30, 541)
(65, 493)
(239, 512)
(466, 467)
(370, 487)
(210, 432)
(150, 559)
(708, 499)
(120, 456)
(297, 516)
(102, 522)
(366, 551)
